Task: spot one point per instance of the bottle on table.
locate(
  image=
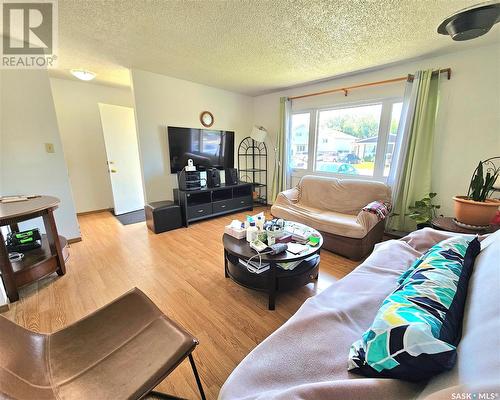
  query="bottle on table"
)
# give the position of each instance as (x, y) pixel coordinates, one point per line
(252, 232)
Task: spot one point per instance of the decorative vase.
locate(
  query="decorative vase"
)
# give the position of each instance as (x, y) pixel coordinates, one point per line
(472, 212)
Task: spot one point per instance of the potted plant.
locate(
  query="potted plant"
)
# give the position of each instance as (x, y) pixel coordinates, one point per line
(423, 212)
(477, 208)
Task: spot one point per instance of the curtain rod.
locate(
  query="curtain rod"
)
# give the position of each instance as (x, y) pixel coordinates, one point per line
(408, 78)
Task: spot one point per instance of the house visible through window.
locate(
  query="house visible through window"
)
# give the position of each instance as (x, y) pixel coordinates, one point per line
(353, 140)
(299, 140)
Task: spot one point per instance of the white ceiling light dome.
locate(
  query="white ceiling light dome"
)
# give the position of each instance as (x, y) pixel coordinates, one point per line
(83, 74)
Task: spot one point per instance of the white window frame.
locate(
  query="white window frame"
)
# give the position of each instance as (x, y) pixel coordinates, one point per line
(383, 136)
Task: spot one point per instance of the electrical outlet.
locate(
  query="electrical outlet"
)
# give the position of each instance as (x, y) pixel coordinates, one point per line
(49, 147)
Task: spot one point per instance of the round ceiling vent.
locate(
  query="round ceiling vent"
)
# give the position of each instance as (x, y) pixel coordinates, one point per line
(471, 22)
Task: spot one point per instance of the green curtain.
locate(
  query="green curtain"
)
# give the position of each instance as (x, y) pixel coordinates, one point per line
(415, 179)
(279, 174)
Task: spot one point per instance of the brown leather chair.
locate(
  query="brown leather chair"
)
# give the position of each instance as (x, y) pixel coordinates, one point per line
(121, 351)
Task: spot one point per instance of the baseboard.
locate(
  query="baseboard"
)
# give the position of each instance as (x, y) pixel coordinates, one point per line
(94, 211)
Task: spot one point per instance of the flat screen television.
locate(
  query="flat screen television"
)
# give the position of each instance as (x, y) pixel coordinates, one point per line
(207, 148)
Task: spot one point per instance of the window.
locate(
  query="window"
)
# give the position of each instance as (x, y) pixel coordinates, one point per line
(299, 140)
(348, 138)
(357, 140)
(393, 131)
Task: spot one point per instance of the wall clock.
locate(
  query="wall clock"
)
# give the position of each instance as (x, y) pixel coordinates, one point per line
(207, 119)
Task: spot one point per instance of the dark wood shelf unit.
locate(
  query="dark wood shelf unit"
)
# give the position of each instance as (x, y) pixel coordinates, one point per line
(205, 203)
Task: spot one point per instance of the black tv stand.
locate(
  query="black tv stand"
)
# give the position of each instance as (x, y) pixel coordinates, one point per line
(205, 203)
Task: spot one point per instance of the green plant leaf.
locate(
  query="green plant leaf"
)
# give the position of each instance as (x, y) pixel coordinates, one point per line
(423, 211)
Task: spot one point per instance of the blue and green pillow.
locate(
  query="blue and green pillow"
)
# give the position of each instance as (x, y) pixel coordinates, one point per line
(417, 329)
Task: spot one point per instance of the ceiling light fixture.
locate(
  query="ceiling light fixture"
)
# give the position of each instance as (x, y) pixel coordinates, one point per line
(83, 74)
(471, 22)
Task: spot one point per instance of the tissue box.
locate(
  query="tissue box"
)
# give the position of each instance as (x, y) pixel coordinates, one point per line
(238, 233)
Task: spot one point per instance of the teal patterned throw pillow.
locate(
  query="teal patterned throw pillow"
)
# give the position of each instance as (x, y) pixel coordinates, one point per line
(416, 330)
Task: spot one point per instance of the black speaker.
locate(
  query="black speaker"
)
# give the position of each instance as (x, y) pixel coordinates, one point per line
(231, 176)
(213, 178)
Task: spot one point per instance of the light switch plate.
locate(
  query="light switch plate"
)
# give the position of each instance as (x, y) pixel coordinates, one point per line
(49, 147)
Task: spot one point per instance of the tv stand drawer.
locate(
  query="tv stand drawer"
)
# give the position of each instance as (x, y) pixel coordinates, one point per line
(222, 205)
(201, 210)
(240, 202)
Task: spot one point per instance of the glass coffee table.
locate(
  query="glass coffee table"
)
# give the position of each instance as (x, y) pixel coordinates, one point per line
(275, 279)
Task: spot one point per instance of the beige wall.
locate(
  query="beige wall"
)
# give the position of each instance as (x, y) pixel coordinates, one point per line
(468, 125)
(77, 112)
(161, 101)
(28, 121)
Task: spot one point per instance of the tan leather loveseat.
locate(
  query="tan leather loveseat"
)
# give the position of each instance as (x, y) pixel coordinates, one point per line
(333, 207)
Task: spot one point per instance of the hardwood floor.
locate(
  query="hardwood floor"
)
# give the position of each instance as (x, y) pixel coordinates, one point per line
(182, 271)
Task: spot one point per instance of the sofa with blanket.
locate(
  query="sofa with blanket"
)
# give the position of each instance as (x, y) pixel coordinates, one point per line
(334, 207)
(307, 357)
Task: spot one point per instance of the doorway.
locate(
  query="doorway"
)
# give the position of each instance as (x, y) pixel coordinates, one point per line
(122, 152)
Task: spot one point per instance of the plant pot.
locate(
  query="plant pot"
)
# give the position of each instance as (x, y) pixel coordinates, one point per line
(475, 212)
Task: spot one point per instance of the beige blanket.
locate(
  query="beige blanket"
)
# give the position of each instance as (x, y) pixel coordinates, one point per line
(307, 357)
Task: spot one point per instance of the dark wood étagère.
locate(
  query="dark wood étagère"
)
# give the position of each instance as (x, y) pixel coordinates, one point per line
(204, 203)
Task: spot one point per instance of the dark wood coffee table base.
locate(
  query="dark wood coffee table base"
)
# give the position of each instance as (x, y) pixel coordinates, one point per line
(275, 279)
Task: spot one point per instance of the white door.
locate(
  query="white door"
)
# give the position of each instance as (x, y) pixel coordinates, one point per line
(118, 127)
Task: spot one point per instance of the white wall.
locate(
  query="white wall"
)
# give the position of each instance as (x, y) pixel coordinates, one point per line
(161, 101)
(28, 120)
(81, 134)
(468, 124)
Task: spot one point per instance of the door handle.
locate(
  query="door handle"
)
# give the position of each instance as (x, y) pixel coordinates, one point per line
(113, 171)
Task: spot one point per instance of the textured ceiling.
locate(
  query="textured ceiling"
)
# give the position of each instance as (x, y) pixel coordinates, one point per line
(249, 46)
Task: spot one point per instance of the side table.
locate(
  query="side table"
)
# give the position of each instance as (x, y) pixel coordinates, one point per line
(447, 224)
(36, 263)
